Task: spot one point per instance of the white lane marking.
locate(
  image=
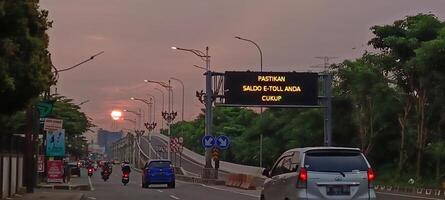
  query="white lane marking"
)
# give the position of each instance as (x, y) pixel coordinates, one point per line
(91, 184)
(159, 191)
(174, 197)
(221, 189)
(92, 198)
(408, 196)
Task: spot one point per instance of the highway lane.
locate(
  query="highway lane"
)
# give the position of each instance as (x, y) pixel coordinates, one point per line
(113, 189)
(187, 164)
(195, 168)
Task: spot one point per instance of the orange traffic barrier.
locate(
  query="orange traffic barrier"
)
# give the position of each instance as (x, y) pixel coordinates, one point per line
(230, 180)
(247, 182)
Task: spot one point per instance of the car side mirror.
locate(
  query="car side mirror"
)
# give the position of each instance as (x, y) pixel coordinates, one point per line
(266, 172)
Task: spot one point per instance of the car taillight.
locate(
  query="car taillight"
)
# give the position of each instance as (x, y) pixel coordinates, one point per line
(303, 174)
(302, 178)
(371, 177)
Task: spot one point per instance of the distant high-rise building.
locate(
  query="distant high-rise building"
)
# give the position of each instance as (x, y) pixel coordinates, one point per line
(106, 138)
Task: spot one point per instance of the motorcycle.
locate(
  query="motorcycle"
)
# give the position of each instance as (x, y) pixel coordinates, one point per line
(125, 178)
(90, 172)
(105, 175)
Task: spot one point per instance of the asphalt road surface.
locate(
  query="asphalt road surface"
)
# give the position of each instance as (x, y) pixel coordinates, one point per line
(113, 189)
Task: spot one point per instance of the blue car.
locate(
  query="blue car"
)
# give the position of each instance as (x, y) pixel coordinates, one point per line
(158, 172)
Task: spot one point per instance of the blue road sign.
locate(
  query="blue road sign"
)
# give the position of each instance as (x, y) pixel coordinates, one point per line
(222, 142)
(208, 141)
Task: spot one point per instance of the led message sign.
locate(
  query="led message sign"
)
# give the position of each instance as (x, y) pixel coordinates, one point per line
(271, 88)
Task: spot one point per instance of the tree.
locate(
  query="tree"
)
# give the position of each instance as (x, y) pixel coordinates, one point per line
(75, 123)
(404, 41)
(25, 67)
(365, 85)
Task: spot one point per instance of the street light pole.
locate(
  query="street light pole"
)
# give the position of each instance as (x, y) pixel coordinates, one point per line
(138, 114)
(163, 102)
(182, 84)
(261, 108)
(257, 46)
(169, 115)
(208, 105)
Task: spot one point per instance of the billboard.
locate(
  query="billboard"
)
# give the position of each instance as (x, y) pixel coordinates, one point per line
(271, 88)
(55, 171)
(55, 143)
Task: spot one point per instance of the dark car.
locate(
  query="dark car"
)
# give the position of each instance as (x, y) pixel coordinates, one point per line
(75, 169)
(158, 172)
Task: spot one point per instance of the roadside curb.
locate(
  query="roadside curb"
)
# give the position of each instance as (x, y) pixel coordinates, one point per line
(411, 190)
(82, 187)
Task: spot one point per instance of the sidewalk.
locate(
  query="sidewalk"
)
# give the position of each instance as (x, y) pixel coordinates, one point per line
(50, 195)
(76, 183)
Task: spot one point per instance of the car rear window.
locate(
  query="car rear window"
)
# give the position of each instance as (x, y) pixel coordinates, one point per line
(334, 161)
(159, 164)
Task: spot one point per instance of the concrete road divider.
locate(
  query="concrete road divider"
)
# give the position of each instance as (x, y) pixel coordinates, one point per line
(247, 183)
(242, 181)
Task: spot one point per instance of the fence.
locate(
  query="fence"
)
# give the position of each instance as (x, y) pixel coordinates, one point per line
(11, 165)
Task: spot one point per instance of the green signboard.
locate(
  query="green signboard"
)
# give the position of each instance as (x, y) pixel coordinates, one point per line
(45, 108)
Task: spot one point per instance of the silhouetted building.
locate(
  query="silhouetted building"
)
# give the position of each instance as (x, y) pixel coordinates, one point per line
(106, 138)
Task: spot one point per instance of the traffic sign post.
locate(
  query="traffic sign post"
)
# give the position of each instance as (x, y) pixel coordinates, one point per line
(222, 142)
(208, 142)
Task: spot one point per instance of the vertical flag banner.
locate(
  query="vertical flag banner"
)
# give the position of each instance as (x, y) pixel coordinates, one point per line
(55, 143)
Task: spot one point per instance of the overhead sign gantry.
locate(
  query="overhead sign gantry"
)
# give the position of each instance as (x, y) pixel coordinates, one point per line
(270, 89)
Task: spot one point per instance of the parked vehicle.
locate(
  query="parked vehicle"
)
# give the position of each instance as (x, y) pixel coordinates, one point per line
(158, 172)
(320, 173)
(75, 169)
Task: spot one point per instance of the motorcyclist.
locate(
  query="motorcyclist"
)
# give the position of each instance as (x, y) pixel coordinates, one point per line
(106, 168)
(126, 167)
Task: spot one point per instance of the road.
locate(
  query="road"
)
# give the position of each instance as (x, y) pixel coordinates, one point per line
(114, 190)
(195, 168)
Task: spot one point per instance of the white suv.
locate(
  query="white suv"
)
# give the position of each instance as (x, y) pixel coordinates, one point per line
(320, 173)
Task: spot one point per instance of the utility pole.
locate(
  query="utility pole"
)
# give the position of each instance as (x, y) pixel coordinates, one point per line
(30, 165)
(327, 103)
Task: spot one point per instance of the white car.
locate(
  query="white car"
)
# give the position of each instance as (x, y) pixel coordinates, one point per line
(320, 173)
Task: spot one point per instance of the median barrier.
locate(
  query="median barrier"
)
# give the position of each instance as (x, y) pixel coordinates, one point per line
(247, 182)
(230, 179)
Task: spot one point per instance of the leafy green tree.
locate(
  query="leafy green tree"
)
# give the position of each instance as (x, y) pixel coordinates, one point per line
(25, 67)
(75, 123)
(404, 41)
(363, 82)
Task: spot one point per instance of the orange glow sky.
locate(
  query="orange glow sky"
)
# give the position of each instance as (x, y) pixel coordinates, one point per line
(136, 36)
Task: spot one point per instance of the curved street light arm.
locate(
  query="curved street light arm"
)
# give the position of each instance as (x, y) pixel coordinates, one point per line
(257, 46)
(91, 58)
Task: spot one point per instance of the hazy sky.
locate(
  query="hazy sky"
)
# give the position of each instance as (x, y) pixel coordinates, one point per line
(136, 36)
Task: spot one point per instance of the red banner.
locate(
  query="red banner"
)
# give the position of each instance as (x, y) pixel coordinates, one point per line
(55, 171)
(40, 163)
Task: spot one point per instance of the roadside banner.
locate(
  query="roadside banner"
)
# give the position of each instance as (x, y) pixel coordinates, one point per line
(51, 124)
(40, 163)
(55, 143)
(55, 171)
